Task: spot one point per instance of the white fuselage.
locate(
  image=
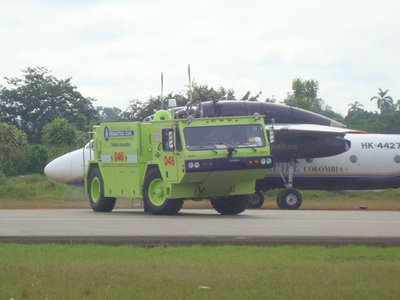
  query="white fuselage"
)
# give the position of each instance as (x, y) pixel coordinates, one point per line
(373, 161)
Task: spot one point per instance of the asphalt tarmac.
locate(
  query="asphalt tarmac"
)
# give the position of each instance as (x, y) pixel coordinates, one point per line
(195, 226)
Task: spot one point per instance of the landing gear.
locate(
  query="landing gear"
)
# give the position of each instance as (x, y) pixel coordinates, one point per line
(257, 200)
(289, 199)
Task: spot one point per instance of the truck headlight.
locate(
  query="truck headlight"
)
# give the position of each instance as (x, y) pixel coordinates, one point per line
(199, 165)
(267, 161)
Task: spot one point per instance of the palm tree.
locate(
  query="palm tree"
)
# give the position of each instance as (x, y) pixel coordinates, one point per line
(384, 102)
(356, 106)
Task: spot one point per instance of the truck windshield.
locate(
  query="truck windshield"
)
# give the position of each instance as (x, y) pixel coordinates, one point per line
(222, 137)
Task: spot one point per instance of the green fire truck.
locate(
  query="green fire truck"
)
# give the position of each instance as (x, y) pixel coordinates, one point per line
(167, 161)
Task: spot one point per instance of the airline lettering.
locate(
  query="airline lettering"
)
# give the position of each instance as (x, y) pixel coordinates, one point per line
(370, 145)
(284, 168)
(323, 169)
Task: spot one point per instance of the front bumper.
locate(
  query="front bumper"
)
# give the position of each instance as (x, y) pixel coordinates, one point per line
(228, 164)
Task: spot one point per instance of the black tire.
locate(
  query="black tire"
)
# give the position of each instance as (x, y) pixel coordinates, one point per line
(256, 200)
(97, 201)
(231, 205)
(289, 199)
(278, 199)
(153, 196)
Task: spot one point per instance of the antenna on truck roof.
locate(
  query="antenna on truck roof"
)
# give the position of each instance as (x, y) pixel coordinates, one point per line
(162, 91)
(190, 85)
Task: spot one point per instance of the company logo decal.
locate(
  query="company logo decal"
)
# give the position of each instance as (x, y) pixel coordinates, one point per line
(116, 133)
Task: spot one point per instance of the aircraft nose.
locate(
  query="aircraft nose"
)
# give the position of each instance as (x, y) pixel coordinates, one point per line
(68, 168)
(58, 169)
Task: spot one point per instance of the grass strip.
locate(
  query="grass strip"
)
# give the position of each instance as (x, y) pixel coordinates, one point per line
(198, 272)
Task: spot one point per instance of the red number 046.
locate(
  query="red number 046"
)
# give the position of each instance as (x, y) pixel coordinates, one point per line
(169, 160)
(119, 156)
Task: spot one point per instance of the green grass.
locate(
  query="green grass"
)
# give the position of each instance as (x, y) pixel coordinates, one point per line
(198, 272)
(34, 191)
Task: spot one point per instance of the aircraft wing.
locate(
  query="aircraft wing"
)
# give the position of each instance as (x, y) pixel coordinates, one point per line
(311, 130)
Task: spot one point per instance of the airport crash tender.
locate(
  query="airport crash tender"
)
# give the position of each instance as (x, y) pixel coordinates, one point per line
(168, 160)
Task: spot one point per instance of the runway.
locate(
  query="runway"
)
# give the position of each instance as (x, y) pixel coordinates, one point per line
(194, 226)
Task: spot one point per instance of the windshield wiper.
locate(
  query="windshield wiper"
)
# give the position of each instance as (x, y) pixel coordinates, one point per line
(201, 148)
(230, 151)
(254, 149)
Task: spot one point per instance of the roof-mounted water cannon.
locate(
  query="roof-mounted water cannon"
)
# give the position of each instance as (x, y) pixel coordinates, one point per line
(194, 108)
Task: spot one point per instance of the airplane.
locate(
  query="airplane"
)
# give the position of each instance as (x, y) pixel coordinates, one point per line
(69, 168)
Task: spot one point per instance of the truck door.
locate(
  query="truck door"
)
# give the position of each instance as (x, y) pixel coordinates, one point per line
(170, 150)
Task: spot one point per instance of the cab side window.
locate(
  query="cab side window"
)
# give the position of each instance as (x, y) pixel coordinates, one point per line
(168, 140)
(178, 140)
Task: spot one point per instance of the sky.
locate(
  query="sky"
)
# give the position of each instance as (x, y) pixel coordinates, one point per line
(115, 51)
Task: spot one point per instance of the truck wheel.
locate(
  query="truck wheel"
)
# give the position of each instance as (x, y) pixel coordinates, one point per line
(289, 199)
(231, 205)
(154, 199)
(97, 201)
(256, 200)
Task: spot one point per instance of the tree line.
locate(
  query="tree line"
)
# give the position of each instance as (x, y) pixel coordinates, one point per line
(42, 116)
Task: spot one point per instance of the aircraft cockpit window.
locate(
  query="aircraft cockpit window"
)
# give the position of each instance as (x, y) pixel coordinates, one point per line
(220, 137)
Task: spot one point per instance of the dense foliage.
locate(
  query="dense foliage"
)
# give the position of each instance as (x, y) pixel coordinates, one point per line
(59, 132)
(38, 98)
(13, 144)
(54, 116)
